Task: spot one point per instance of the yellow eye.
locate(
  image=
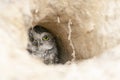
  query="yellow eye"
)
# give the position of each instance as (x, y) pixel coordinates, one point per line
(45, 38)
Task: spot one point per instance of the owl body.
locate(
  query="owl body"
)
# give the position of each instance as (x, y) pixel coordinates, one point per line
(42, 45)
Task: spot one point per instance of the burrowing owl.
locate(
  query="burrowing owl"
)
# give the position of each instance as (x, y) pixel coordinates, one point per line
(42, 45)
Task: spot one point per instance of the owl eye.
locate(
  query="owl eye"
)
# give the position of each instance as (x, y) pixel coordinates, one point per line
(45, 38)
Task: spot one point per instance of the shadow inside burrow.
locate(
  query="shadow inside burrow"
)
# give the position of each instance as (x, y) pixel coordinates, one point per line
(60, 35)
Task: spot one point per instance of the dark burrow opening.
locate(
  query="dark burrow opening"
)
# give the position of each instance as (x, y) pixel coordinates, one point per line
(61, 39)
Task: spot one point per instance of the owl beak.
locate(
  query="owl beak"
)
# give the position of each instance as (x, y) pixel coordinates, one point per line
(41, 43)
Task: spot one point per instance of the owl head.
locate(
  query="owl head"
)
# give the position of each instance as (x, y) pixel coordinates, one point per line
(41, 38)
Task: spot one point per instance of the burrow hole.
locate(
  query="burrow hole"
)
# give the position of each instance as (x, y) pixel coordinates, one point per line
(60, 34)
